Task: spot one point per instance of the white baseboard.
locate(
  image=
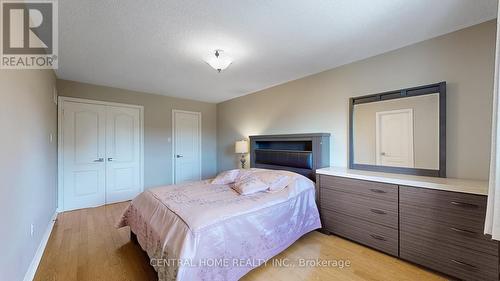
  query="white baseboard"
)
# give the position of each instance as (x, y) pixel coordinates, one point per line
(30, 274)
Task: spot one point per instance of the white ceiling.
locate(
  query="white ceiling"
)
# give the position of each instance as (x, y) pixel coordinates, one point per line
(158, 46)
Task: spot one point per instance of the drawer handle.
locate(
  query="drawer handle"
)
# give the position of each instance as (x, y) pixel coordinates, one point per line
(465, 205)
(378, 237)
(469, 266)
(377, 190)
(377, 211)
(462, 230)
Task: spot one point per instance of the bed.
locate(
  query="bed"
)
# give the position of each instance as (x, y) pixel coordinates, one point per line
(205, 231)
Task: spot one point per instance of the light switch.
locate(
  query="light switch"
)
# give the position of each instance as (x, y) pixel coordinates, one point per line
(51, 138)
(54, 95)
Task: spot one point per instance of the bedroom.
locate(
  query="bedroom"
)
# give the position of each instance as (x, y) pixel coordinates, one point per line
(166, 102)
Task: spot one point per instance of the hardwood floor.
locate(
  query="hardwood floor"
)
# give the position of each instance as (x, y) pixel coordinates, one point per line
(85, 245)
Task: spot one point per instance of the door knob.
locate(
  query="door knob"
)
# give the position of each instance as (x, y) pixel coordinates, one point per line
(110, 159)
(99, 160)
(178, 156)
(382, 153)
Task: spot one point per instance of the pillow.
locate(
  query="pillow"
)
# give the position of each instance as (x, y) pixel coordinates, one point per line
(226, 177)
(249, 185)
(244, 173)
(276, 180)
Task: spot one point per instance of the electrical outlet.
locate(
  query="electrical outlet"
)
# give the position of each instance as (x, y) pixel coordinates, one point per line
(32, 230)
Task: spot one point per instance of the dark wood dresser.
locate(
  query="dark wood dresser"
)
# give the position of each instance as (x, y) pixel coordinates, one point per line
(433, 222)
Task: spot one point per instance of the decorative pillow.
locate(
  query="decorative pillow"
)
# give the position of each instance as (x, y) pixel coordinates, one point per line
(226, 177)
(276, 180)
(249, 185)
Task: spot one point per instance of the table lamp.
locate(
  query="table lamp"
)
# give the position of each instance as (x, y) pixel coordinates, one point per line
(241, 147)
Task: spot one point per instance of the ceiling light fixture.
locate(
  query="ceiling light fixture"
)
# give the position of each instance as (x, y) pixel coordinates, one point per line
(219, 61)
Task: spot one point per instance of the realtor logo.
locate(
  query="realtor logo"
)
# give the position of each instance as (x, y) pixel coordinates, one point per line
(29, 34)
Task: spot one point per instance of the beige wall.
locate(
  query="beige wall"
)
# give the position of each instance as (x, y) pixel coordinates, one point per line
(28, 170)
(319, 103)
(157, 126)
(425, 129)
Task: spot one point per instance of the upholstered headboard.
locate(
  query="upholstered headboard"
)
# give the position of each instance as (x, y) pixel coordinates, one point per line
(299, 153)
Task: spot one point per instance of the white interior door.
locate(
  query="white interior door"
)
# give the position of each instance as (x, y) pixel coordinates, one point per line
(123, 165)
(187, 146)
(84, 152)
(394, 138)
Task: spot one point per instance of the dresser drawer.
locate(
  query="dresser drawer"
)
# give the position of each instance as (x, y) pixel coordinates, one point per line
(373, 235)
(450, 259)
(383, 191)
(464, 211)
(370, 209)
(445, 232)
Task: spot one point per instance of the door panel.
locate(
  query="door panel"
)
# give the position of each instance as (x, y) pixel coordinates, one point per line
(123, 153)
(83, 130)
(124, 135)
(86, 130)
(86, 182)
(187, 143)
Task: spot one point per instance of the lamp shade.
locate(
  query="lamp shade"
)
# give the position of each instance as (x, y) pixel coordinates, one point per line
(241, 146)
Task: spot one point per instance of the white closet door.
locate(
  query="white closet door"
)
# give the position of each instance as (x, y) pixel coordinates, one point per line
(123, 153)
(84, 152)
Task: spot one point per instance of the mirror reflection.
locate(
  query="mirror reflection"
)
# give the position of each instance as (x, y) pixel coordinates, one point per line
(400, 132)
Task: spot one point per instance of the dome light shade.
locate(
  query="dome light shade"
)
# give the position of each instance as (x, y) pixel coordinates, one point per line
(219, 60)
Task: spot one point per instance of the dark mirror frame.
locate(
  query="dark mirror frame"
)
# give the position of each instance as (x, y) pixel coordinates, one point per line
(439, 88)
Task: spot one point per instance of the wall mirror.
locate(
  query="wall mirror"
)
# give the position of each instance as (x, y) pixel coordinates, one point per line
(402, 131)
